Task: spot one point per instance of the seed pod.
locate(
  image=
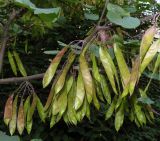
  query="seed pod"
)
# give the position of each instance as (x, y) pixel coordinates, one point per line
(134, 75)
(69, 83)
(95, 69)
(50, 98)
(80, 92)
(87, 78)
(150, 55)
(111, 108)
(119, 117)
(124, 71)
(19, 64)
(12, 123)
(49, 74)
(105, 89)
(61, 80)
(8, 110)
(12, 63)
(108, 67)
(20, 119)
(40, 109)
(147, 39)
(71, 113)
(53, 121)
(26, 107)
(95, 100)
(30, 113)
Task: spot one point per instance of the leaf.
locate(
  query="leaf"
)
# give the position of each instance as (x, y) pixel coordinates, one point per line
(70, 82)
(91, 16)
(95, 100)
(8, 110)
(119, 10)
(12, 63)
(150, 55)
(119, 117)
(26, 4)
(147, 39)
(12, 123)
(108, 67)
(51, 52)
(49, 74)
(19, 64)
(21, 119)
(40, 109)
(119, 16)
(124, 71)
(80, 92)
(111, 109)
(61, 80)
(87, 78)
(105, 89)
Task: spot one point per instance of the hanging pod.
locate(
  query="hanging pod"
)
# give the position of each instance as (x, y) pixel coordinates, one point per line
(49, 74)
(147, 40)
(20, 118)
(150, 55)
(8, 109)
(19, 64)
(61, 80)
(13, 121)
(87, 78)
(108, 66)
(12, 63)
(80, 92)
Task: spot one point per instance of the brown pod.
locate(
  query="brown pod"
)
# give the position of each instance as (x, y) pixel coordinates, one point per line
(20, 119)
(8, 110)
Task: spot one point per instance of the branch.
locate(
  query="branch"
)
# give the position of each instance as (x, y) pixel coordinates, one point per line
(20, 79)
(5, 36)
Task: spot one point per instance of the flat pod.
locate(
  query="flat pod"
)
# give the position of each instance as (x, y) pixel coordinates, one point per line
(21, 119)
(61, 80)
(12, 123)
(87, 78)
(40, 109)
(49, 74)
(12, 63)
(124, 71)
(147, 40)
(108, 67)
(8, 110)
(150, 55)
(19, 64)
(80, 92)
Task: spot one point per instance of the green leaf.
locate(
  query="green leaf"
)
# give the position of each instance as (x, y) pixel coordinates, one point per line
(119, 10)
(90, 16)
(25, 3)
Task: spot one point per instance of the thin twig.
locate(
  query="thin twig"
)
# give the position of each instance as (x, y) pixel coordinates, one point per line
(103, 12)
(20, 79)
